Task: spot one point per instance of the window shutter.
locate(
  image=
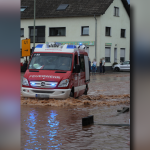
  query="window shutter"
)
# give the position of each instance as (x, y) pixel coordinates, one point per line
(117, 11)
(107, 52)
(122, 52)
(85, 30)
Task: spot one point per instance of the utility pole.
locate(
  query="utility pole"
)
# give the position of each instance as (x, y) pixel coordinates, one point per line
(95, 37)
(34, 23)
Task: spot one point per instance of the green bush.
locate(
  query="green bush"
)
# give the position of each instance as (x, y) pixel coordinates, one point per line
(115, 63)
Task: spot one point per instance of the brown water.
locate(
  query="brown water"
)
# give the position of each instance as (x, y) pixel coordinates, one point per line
(46, 128)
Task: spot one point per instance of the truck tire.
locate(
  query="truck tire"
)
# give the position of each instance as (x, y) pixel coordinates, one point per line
(86, 90)
(72, 92)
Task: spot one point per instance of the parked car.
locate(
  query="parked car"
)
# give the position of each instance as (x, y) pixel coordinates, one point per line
(124, 66)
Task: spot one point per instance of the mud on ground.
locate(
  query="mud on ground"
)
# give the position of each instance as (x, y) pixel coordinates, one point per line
(85, 100)
(104, 90)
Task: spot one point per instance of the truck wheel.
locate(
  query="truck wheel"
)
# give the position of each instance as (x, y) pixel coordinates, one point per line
(117, 69)
(86, 89)
(72, 92)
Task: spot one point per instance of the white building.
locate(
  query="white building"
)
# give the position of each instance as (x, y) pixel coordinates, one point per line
(73, 21)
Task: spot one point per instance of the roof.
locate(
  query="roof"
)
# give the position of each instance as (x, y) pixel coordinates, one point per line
(76, 8)
(126, 6)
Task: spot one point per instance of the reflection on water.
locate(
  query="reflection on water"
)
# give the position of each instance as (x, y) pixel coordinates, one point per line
(52, 130)
(34, 138)
(32, 131)
(48, 128)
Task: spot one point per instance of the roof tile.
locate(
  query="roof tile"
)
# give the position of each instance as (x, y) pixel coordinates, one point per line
(76, 8)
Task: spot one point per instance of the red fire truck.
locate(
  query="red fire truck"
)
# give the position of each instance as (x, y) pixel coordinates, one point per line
(57, 71)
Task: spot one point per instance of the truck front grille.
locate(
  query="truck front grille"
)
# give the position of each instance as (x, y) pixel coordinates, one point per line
(43, 84)
(38, 91)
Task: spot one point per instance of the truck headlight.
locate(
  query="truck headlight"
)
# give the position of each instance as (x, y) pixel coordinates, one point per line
(25, 82)
(64, 83)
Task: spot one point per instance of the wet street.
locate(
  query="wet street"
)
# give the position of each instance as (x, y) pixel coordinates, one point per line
(49, 127)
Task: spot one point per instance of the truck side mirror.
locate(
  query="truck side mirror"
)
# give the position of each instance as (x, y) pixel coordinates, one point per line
(77, 69)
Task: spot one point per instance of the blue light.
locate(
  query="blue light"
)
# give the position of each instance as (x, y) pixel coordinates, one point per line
(57, 43)
(80, 44)
(53, 84)
(71, 46)
(33, 83)
(39, 46)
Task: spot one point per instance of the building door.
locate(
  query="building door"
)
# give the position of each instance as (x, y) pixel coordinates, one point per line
(115, 55)
(107, 54)
(122, 54)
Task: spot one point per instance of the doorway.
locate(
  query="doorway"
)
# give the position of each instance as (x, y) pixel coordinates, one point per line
(115, 55)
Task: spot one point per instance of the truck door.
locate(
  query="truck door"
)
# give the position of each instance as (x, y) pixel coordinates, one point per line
(87, 72)
(75, 76)
(81, 77)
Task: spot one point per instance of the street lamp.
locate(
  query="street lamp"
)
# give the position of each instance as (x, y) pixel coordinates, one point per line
(95, 38)
(34, 23)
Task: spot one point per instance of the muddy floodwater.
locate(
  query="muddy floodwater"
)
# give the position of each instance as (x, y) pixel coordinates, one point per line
(49, 128)
(59, 126)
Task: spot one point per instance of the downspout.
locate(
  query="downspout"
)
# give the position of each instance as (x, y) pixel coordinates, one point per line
(95, 37)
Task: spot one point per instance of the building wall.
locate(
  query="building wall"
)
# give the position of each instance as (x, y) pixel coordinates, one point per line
(73, 31)
(116, 24)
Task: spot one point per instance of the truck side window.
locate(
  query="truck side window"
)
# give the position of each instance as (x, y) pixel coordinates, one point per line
(75, 62)
(82, 64)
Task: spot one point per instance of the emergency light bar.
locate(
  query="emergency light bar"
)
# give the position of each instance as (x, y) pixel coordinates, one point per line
(58, 47)
(53, 44)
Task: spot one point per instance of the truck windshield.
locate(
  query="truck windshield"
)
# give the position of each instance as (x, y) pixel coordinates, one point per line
(51, 61)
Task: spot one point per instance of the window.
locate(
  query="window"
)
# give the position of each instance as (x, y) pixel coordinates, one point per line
(107, 54)
(116, 11)
(57, 31)
(21, 53)
(75, 62)
(126, 63)
(82, 65)
(51, 61)
(108, 31)
(23, 8)
(22, 32)
(122, 54)
(62, 6)
(39, 34)
(123, 32)
(115, 55)
(85, 30)
(32, 32)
